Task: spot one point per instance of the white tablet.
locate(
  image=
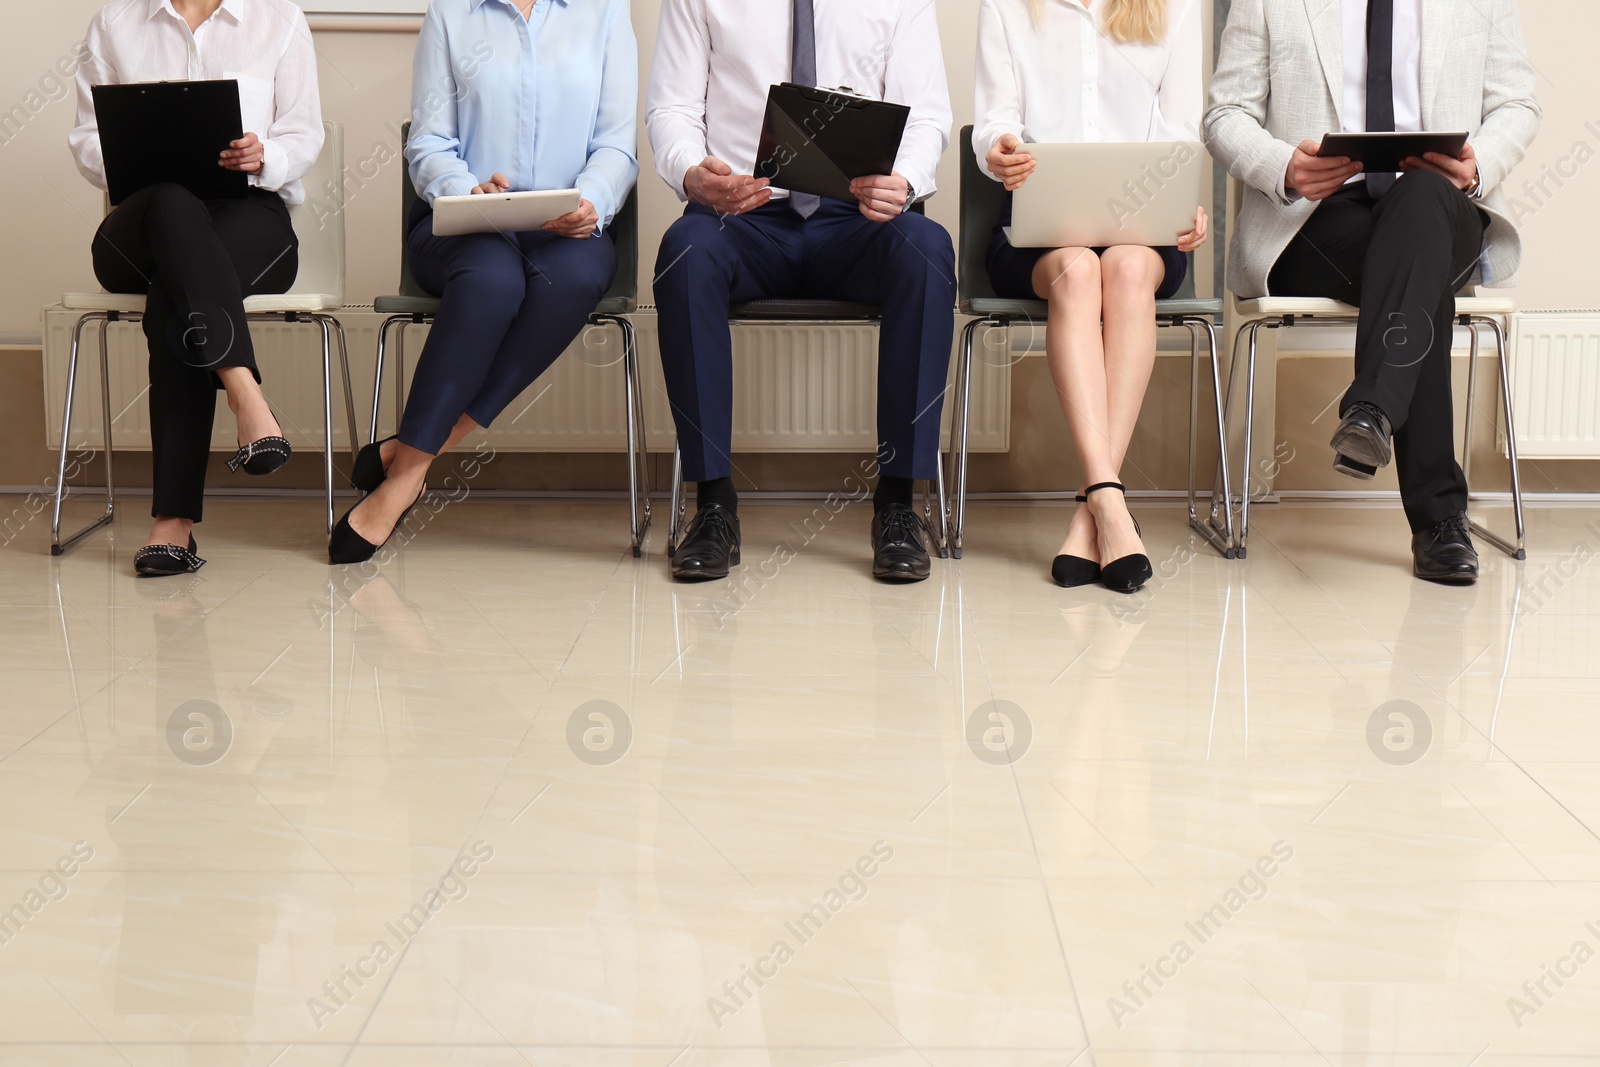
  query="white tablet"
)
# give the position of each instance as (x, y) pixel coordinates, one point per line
(501, 212)
(1093, 195)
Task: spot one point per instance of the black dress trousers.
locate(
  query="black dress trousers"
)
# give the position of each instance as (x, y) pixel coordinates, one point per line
(195, 261)
(1400, 258)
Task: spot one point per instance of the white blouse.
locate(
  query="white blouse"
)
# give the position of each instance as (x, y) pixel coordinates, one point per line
(1065, 80)
(264, 44)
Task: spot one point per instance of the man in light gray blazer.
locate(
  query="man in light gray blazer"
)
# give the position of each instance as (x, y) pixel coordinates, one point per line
(1398, 245)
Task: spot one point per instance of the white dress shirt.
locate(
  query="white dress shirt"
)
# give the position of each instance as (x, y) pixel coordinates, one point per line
(1406, 71)
(1064, 79)
(1405, 74)
(263, 44)
(715, 60)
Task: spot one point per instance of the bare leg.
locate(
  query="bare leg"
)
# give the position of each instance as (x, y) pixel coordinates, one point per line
(249, 405)
(170, 531)
(407, 473)
(1129, 275)
(1069, 278)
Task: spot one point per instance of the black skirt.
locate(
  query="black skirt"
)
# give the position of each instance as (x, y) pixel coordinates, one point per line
(1011, 268)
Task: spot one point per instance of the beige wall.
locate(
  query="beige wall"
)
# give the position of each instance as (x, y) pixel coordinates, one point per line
(48, 213)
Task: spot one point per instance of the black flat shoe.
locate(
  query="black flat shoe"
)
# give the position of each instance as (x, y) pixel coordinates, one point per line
(1126, 574)
(899, 552)
(1073, 571)
(710, 545)
(1363, 436)
(368, 472)
(347, 546)
(1444, 553)
(163, 561)
(261, 457)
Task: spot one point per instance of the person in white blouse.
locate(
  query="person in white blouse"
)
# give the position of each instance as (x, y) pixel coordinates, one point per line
(195, 261)
(739, 239)
(1052, 71)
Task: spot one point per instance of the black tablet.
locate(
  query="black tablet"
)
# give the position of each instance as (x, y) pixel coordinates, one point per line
(1382, 152)
(152, 132)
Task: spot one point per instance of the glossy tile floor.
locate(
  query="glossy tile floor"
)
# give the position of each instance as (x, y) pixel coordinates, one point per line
(513, 798)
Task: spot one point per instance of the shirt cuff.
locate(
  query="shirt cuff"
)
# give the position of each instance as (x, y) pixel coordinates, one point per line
(677, 165)
(1283, 188)
(274, 167)
(598, 194)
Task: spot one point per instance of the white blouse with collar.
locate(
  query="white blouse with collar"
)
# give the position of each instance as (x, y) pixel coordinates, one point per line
(1065, 80)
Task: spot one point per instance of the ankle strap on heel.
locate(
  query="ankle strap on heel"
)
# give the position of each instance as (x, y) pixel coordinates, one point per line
(1118, 486)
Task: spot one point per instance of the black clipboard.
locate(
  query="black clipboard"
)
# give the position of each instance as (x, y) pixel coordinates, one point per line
(1381, 153)
(152, 132)
(817, 140)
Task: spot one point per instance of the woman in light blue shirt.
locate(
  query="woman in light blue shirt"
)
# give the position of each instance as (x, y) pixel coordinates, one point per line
(507, 95)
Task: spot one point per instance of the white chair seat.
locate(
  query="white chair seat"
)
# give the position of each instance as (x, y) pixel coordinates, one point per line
(1273, 306)
(267, 304)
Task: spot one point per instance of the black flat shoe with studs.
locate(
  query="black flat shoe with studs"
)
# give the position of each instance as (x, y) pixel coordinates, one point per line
(262, 456)
(163, 561)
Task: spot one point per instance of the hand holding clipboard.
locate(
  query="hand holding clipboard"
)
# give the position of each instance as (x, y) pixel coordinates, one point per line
(821, 141)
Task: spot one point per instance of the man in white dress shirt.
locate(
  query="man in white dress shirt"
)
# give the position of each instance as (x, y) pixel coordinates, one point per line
(740, 240)
(1398, 245)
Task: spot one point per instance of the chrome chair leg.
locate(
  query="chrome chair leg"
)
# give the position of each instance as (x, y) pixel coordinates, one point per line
(1224, 470)
(1223, 543)
(959, 430)
(1243, 543)
(327, 417)
(349, 391)
(57, 544)
(675, 512)
(638, 509)
(1519, 549)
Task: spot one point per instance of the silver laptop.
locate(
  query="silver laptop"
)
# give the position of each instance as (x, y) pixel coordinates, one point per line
(1089, 195)
(501, 212)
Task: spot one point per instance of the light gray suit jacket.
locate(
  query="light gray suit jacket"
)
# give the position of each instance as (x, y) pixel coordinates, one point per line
(1280, 81)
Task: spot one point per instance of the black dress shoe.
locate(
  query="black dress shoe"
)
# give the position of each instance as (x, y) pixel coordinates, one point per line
(368, 473)
(1363, 437)
(347, 546)
(261, 457)
(899, 553)
(1073, 571)
(1125, 574)
(163, 561)
(710, 545)
(1444, 553)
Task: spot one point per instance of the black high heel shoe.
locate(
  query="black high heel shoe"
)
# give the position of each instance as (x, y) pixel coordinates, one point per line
(347, 546)
(1126, 574)
(262, 456)
(163, 561)
(1073, 571)
(368, 472)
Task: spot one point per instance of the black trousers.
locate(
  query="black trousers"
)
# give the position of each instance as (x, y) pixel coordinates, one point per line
(1400, 259)
(195, 261)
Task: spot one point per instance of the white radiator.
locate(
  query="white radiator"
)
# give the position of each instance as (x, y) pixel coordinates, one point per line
(797, 389)
(1555, 384)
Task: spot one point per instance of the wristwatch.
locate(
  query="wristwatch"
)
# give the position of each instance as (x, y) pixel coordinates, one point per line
(1475, 186)
(911, 196)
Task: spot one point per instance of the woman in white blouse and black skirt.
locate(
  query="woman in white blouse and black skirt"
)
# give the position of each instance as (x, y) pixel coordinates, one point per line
(1052, 71)
(195, 261)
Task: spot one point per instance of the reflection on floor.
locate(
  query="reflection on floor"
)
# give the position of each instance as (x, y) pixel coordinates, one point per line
(514, 798)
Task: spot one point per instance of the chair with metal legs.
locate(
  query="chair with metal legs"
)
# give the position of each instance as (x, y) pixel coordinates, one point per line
(1473, 312)
(982, 201)
(414, 306)
(317, 295)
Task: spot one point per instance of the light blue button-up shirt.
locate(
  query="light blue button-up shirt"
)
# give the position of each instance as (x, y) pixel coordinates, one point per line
(551, 102)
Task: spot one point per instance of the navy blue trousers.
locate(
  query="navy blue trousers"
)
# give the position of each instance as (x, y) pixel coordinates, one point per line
(708, 262)
(509, 304)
